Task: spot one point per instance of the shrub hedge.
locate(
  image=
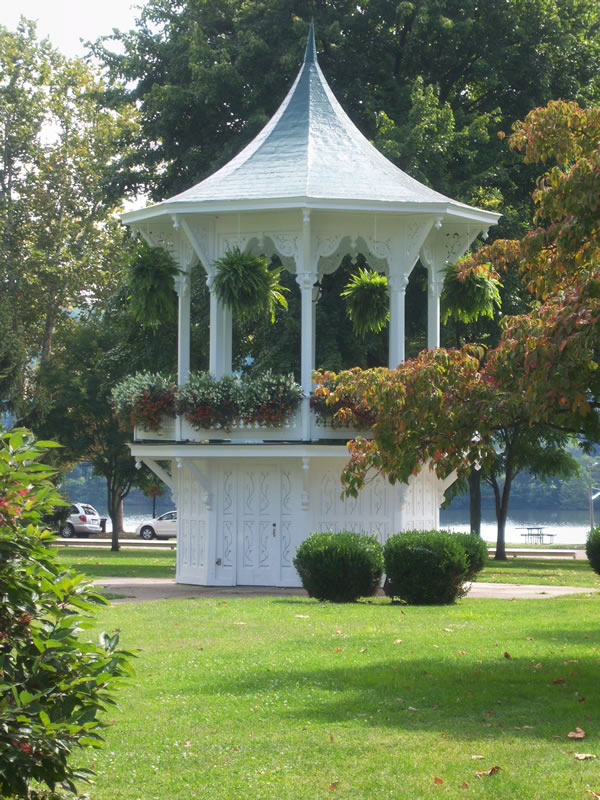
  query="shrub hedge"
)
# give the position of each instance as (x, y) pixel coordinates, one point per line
(340, 567)
(476, 552)
(592, 549)
(425, 567)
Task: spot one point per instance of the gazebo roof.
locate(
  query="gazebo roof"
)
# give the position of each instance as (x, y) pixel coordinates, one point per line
(310, 154)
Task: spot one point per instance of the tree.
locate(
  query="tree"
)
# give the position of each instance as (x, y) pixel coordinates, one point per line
(550, 357)
(443, 409)
(57, 226)
(435, 82)
(97, 351)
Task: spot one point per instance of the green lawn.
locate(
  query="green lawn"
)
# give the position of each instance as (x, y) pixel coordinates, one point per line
(550, 572)
(100, 562)
(291, 699)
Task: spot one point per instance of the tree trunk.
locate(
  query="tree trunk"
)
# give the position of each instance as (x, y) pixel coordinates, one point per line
(475, 500)
(500, 518)
(115, 512)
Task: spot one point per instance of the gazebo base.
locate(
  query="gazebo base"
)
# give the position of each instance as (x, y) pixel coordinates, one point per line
(243, 510)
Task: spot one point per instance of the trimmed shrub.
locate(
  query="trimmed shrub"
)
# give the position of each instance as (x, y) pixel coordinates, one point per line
(476, 552)
(425, 567)
(340, 567)
(592, 549)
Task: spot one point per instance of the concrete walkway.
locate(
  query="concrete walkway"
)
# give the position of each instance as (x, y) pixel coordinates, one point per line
(145, 589)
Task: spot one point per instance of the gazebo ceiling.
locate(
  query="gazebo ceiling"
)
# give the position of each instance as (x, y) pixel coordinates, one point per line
(311, 155)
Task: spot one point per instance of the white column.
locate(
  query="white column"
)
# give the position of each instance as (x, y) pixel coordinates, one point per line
(397, 286)
(434, 291)
(182, 287)
(306, 278)
(220, 342)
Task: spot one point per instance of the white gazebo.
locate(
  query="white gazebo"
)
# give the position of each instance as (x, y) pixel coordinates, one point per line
(311, 189)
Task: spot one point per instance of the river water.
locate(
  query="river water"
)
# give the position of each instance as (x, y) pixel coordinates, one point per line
(569, 527)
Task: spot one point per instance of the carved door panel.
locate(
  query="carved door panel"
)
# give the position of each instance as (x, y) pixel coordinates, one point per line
(258, 525)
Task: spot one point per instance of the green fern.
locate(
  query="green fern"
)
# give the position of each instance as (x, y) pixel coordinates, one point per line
(469, 296)
(246, 285)
(367, 302)
(151, 273)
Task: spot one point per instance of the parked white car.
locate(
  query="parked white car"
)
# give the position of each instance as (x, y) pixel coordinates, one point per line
(83, 520)
(163, 527)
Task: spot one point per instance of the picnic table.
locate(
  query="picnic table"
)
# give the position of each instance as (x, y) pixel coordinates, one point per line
(535, 534)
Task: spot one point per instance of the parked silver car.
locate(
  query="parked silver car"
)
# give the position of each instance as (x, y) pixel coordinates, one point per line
(83, 520)
(163, 527)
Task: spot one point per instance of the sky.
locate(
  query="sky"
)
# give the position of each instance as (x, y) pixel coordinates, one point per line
(65, 22)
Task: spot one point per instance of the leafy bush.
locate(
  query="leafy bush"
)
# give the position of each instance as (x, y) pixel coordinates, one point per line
(425, 567)
(476, 552)
(54, 683)
(144, 398)
(339, 411)
(340, 567)
(209, 402)
(269, 399)
(592, 549)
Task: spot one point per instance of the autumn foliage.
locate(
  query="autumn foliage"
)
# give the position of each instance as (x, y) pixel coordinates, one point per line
(446, 408)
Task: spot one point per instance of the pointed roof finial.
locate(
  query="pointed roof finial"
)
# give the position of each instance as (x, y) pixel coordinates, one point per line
(310, 54)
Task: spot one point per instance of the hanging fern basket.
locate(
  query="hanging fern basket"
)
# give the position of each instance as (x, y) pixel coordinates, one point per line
(246, 285)
(367, 302)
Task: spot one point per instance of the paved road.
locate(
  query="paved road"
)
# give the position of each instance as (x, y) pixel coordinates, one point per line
(145, 589)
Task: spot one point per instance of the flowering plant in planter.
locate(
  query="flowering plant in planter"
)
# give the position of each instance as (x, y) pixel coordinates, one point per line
(269, 399)
(144, 399)
(209, 402)
(335, 410)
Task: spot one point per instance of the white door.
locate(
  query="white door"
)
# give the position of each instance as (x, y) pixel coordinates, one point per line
(258, 523)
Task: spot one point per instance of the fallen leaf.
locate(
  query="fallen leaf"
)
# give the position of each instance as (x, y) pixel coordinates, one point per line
(236, 749)
(584, 756)
(363, 650)
(339, 649)
(411, 708)
(582, 700)
(559, 680)
(397, 641)
(476, 758)
(462, 652)
(576, 734)
(529, 638)
(507, 655)
(331, 739)
(538, 666)
(187, 743)
(333, 786)
(438, 780)
(464, 785)
(485, 772)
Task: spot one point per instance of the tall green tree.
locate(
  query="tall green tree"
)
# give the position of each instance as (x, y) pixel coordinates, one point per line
(431, 82)
(57, 224)
(96, 351)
